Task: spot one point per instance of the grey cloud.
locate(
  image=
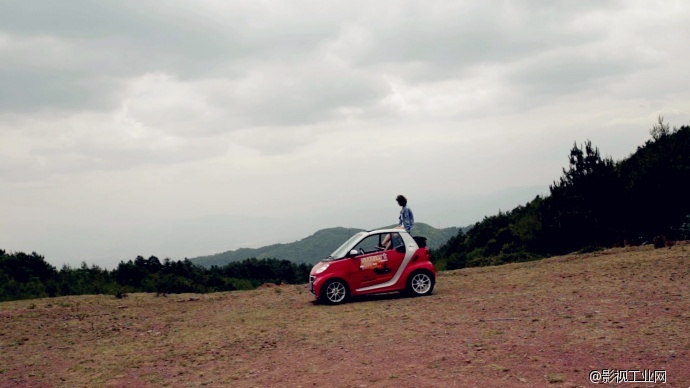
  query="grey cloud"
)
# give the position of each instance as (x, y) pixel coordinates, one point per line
(53, 144)
(177, 35)
(276, 141)
(24, 91)
(45, 162)
(102, 46)
(105, 43)
(100, 40)
(310, 98)
(150, 26)
(566, 75)
(445, 44)
(421, 42)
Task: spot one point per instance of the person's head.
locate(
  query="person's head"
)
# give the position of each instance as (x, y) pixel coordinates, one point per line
(402, 201)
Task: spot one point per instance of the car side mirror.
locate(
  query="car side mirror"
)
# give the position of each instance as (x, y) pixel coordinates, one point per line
(353, 253)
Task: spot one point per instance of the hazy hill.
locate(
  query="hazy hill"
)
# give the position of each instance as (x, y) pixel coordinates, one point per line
(317, 246)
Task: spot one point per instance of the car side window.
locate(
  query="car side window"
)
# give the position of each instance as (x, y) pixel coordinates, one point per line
(369, 244)
(397, 243)
(374, 242)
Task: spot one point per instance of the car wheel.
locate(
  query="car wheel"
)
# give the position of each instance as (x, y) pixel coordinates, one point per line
(335, 292)
(420, 283)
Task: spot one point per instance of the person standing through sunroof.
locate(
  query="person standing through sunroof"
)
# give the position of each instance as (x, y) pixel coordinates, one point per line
(405, 220)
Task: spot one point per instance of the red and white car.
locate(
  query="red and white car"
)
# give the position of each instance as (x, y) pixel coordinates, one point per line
(363, 266)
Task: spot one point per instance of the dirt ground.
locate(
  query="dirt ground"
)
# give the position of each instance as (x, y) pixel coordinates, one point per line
(555, 322)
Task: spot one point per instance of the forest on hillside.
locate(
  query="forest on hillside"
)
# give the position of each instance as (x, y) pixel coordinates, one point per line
(24, 276)
(596, 203)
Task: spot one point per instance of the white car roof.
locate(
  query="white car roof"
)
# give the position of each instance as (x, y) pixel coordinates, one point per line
(389, 230)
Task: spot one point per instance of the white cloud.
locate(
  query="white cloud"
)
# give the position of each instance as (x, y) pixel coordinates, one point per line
(160, 101)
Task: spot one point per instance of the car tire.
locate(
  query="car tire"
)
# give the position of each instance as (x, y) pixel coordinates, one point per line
(420, 283)
(335, 292)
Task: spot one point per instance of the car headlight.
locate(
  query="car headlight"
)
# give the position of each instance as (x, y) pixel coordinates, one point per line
(321, 269)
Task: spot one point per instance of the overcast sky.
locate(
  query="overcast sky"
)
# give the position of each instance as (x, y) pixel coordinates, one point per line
(185, 128)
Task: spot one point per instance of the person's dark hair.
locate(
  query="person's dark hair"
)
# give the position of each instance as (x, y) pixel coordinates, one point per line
(401, 200)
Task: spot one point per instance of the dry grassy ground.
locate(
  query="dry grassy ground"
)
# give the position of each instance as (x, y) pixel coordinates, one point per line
(545, 323)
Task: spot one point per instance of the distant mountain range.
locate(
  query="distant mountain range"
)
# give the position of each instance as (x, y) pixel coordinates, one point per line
(317, 246)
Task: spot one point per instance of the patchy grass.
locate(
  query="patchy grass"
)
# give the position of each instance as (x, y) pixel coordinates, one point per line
(547, 322)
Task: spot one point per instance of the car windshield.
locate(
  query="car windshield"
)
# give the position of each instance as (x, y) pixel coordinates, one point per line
(343, 249)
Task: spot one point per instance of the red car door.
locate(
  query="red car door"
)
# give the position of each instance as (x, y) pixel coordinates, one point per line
(375, 265)
(371, 267)
(395, 258)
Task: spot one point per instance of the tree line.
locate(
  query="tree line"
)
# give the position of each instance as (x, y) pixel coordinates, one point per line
(26, 276)
(596, 203)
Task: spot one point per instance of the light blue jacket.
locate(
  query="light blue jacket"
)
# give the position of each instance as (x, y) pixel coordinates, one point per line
(406, 218)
